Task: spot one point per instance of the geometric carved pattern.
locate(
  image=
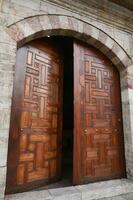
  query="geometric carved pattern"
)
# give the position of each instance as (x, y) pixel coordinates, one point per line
(39, 155)
(100, 108)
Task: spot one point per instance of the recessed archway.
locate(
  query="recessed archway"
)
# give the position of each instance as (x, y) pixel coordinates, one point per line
(47, 25)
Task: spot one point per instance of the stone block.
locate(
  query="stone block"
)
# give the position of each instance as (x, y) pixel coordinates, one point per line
(64, 23)
(35, 5)
(45, 22)
(109, 43)
(6, 77)
(125, 95)
(4, 134)
(28, 28)
(48, 8)
(73, 24)
(5, 38)
(2, 181)
(80, 27)
(130, 92)
(11, 58)
(8, 48)
(102, 37)
(35, 195)
(15, 32)
(95, 33)
(54, 21)
(22, 11)
(5, 103)
(5, 5)
(3, 20)
(67, 193)
(87, 29)
(130, 70)
(123, 197)
(13, 19)
(6, 89)
(121, 55)
(4, 118)
(104, 50)
(7, 65)
(105, 189)
(127, 61)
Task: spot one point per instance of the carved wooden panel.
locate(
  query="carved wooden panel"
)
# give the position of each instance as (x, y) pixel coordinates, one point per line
(100, 123)
(39, 131)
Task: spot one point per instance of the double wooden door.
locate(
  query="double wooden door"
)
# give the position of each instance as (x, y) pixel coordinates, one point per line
(35, 143)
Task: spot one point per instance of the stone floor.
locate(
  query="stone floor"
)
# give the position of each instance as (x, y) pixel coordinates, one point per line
(62, 183)
(121, 189)
(128, 196)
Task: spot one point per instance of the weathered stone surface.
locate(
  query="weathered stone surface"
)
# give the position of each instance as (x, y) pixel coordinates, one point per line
(108, 190)
(64, 23)
(2, 181)
(4, 118)
(35, 5)
(3, 147)
(5, 38)
(37, 195)
(45, 22)
(105, 189)
(122, 197)
(95, 33)
(67, 193)
(109, 43)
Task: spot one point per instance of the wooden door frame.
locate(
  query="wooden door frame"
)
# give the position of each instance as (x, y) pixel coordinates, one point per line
(15, 112)
(77, 130)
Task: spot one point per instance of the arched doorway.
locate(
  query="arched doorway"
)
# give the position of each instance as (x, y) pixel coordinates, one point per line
(38, 135)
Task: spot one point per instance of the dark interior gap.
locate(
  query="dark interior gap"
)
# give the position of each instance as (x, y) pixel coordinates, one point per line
(68, 109)
(66, 46)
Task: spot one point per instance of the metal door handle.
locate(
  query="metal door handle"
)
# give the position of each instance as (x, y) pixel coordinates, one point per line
(119, 119)
(85, 131)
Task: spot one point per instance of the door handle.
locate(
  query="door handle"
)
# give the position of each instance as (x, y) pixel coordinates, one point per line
(119, 119)
(85, 131)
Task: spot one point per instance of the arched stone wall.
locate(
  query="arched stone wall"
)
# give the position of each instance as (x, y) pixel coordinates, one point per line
(43, 25)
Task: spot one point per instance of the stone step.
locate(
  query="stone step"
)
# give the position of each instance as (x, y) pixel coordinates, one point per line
(93, 191)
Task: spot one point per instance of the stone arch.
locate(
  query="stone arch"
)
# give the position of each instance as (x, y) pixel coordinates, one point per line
(42, 25)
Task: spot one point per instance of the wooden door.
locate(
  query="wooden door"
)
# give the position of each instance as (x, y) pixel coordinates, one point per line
(34, 156)
(98, 133)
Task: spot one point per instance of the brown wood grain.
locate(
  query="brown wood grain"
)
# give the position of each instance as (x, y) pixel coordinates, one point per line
(98, 134)
(35, 143)
(34, 156)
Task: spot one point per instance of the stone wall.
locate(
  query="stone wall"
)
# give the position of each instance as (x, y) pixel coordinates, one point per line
(108, 18)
